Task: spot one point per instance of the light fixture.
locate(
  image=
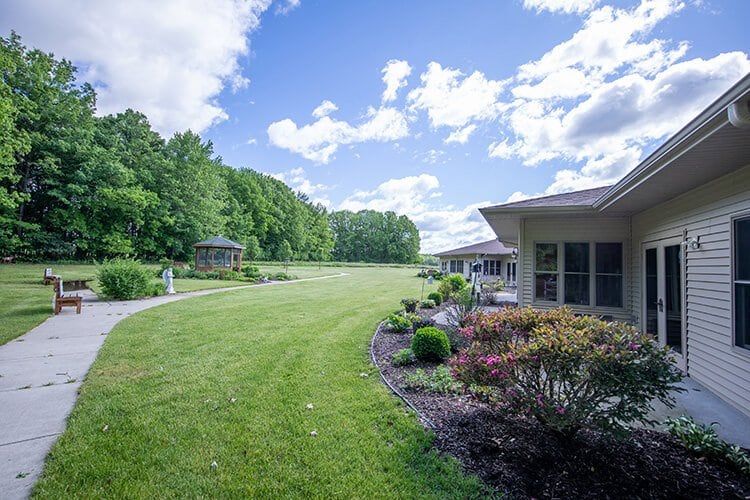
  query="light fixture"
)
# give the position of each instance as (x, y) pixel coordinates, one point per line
(692, 243)
(514, 254)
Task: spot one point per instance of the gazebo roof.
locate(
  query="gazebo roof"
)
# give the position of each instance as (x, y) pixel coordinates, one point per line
(218, 242)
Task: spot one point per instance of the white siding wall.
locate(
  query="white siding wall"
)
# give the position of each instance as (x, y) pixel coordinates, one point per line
(588, 228)
(705, 212)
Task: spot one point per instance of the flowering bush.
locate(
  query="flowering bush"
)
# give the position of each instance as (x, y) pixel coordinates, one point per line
(566, 371)
(430, 344)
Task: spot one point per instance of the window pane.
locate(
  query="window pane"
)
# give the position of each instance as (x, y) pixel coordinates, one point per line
(742, 315)
(546, 256)
(609, 291)
(651, 292)
(742, 249)
(609, 258)
(577, 289)
(545, 287)
(576, 257)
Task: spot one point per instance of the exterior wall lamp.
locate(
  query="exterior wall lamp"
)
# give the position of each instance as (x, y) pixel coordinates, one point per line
(692, 243)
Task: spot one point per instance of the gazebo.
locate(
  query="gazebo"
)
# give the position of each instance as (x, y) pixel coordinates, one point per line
(218, 253)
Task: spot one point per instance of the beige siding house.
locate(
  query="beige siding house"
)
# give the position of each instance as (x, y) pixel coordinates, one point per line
(498, 261)
(667, 248)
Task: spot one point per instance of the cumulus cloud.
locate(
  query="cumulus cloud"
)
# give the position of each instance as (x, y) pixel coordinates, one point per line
(565, 6)
(286, 6)
(452, 99)
(169, 59)
(296, 179)
(395, 73)
(461, 136)
(326, 108)
(440, 228)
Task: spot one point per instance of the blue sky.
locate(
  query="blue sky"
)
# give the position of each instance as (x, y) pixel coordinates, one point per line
(427, 108)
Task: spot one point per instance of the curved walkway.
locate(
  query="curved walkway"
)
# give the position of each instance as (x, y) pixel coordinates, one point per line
(41, 371)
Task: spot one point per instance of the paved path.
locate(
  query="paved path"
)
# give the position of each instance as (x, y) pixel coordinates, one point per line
(41, 371)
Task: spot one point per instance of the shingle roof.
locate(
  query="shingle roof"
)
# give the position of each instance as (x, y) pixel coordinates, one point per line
(586, 197)
(485, 247)
(219, 242)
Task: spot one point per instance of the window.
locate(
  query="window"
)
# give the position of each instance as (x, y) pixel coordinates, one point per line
(545, 271)
(444, 265)
(577, 273)
(609, 274)
(510, 275)
(457, 266)
(741, 282)
(491, 267)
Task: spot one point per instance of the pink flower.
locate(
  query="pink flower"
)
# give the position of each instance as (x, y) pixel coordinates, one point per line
(560, 410)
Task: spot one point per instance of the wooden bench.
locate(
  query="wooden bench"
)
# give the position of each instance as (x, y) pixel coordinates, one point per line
(48, 276)
(62, 300)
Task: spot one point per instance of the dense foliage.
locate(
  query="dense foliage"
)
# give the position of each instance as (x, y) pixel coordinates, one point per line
(430, 344)
(125, 279)
(78, 186)
(566, 371)
(370, 236)
(703, 440)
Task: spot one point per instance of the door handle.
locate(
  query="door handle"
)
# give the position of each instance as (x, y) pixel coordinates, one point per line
(661, 305)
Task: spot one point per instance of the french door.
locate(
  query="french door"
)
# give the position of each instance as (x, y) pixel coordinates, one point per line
(663, 295)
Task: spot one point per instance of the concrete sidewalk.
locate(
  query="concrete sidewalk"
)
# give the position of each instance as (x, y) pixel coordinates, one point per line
(41, 371)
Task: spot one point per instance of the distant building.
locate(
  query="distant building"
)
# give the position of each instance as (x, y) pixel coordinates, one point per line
(498, 261)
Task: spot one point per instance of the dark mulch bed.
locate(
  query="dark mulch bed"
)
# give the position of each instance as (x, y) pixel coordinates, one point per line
(520, 458)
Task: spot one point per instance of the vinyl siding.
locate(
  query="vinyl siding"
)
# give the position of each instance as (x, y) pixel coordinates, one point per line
(706, 212)
(573, 229)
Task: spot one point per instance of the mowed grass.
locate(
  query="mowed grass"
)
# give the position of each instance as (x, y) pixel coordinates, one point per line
(26, 302)
(226, 378)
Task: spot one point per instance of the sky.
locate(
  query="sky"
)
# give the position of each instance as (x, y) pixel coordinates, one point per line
(429, 108)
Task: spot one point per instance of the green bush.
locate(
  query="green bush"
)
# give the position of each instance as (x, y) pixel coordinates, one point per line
(229, 275)
(410, 305)
(124, 279)
(251, 271)
(282, 276)
(702, 440)
(436, 296)
(452, 284)
(566, 371)
(430, 344)
(156, 288)
(397, 323)
(403, 357)
(439, 381)
(457, 339)
(427, 304)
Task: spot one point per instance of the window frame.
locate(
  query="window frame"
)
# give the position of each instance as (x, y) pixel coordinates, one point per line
(621, 275)
(743, 348)
(534, 298)
(591, 263)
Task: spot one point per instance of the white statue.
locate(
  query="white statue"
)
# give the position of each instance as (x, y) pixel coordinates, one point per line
(167, 276)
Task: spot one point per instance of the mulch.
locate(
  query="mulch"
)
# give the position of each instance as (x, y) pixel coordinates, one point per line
(519, 458)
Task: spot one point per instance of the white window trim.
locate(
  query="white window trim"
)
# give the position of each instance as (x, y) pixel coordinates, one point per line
(741, 349)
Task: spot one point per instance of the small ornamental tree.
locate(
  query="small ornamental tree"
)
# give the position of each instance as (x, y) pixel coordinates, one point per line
(566, 371)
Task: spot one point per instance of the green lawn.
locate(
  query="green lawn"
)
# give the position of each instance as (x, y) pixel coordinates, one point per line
(226, 378)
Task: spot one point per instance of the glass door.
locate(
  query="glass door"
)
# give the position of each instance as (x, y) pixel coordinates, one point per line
(663, 295)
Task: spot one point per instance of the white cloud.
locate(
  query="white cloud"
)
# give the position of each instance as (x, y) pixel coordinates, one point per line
(453, 100)
(296, 179)
(566, 6)
(286, 6)
(168, 59)
(252, 141)
(395, 73)
(320, 140)
(326, 108)
(461, 136)
(414, 196)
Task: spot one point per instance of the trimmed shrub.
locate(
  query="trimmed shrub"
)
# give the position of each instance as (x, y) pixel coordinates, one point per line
(430, 344)
(702, 440)
(403, 357)
(439, 381)
(397, 323)
(251, 271)
(436, 296)
(410, 305)
(124, 279)
(567, 371)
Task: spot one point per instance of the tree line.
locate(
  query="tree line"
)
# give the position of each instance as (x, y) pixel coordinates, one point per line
(78, 186)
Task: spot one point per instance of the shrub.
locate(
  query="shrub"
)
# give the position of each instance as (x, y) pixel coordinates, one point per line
(421, 322)
(410, 305)
(462, 306)
(439, 381)
(251, 271)
(430, 344)
(156, 288)
(403, 357)
(281, 276)
(397, 323)
(456, 339)
(568, 372)
(427, 304)
(228, 274)
(451, 284)
(124, 279)
(702, 440)
(437, 297)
